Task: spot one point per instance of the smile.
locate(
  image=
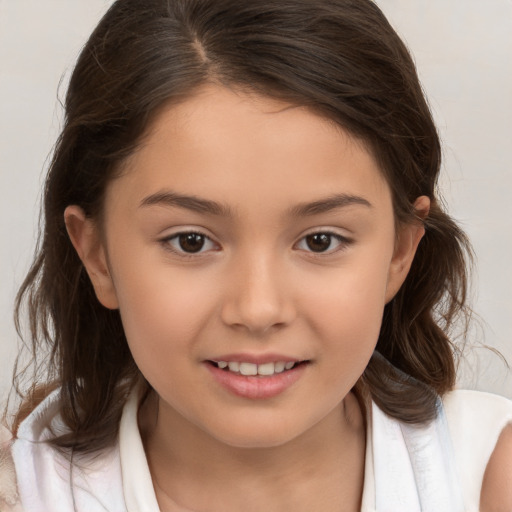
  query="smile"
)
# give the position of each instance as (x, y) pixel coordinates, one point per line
(256, 380)
(252, 369)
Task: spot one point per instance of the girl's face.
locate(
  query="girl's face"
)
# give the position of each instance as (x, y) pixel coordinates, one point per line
(248, 236)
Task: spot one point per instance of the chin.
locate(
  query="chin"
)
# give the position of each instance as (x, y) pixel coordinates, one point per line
(257, 441)
(257, 434)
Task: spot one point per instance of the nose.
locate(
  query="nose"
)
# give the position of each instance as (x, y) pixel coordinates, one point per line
(257, 298)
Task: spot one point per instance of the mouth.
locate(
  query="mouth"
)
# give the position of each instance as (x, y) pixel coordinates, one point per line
(248, 369)
(257, 377)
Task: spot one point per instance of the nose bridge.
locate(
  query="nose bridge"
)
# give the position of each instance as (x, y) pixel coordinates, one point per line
(257, 297)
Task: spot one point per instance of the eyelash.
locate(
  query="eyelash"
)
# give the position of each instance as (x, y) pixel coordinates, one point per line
(167, 242)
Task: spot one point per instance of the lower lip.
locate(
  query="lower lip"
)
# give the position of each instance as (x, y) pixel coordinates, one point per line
(256, 387)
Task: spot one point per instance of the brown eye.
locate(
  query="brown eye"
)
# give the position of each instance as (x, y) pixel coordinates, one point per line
(191, 242)
(323, 242)
(319, 242)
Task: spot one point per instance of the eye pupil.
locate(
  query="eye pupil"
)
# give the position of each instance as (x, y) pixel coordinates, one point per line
(191, 242)
(318, 242)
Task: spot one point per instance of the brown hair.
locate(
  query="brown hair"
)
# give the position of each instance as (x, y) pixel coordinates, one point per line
(338, 57)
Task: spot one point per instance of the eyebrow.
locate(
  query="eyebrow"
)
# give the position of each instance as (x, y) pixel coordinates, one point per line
(194, 203)
(330, 203)
(207, 206)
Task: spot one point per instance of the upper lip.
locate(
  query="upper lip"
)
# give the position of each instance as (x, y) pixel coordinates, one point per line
(256, 358)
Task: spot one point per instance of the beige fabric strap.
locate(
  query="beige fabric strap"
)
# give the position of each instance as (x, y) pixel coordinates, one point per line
(9, 498)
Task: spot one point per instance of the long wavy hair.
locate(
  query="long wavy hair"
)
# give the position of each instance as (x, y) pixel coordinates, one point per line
(342, 59)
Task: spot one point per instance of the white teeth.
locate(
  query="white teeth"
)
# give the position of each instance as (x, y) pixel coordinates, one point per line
(234, 366)
(266, 369)
(247, 368)
(279, 367)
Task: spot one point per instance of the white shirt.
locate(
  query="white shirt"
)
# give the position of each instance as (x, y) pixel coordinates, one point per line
(437, 468)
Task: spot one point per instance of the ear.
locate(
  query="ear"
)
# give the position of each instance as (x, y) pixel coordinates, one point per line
(408, 238)
(86, 240)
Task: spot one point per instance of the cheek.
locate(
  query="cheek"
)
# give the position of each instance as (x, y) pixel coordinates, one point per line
(349, 295)
(345, 309)
(162, 310)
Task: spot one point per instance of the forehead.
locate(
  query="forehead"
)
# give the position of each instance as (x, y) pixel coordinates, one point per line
(231, 145)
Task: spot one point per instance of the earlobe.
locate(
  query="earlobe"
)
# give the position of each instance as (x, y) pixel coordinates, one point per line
(407, 243)
(86, 239)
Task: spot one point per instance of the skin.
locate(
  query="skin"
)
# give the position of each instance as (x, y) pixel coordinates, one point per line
(256, 287)
(497, 484)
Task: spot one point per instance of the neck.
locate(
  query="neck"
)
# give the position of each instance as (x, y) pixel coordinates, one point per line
(320, 470)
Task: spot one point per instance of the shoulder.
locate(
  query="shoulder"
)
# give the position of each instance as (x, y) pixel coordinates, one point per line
(496, 493)
(476, 419)
(480, 425)
(476, 415)
(465, 400)
(51, 478)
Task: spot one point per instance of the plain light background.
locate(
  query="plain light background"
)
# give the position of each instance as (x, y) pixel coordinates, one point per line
(463, 50)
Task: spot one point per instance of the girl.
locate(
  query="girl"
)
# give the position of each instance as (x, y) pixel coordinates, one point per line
(246, 281)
